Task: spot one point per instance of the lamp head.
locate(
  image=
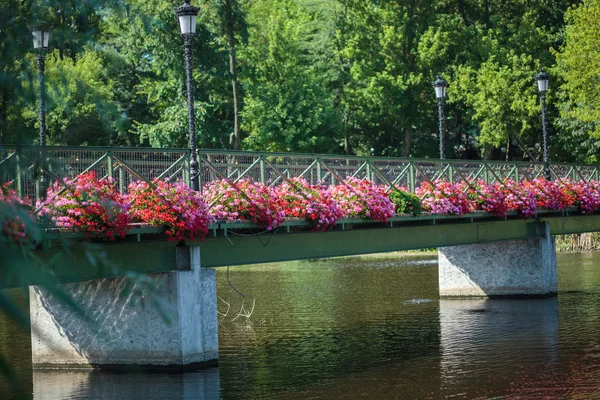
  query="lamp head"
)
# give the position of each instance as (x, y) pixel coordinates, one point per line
(440, 86)
(41, 36)
(542, 79)
(187, 15)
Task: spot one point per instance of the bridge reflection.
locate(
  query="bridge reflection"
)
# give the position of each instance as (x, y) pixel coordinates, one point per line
(51, 385)
(522, 333)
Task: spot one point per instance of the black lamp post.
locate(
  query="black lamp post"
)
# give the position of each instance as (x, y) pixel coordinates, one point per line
(187, 14)
(41, 39)
(440, 86)
(542, 81)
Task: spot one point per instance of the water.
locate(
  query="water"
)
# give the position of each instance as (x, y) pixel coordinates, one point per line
(369, 327)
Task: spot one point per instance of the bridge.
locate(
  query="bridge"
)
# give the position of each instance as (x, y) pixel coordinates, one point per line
(480, 255)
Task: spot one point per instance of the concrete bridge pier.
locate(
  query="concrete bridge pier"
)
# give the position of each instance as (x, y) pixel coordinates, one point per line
(510, 268)
(171, 325)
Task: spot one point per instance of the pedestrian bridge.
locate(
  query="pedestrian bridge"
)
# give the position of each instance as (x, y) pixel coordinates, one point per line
(480, 255)
(239, 243)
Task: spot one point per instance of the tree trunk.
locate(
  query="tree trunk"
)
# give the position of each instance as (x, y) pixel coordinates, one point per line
(463, 12)
(407, 144)
(4, 99)
(347, 146)
(234, 139)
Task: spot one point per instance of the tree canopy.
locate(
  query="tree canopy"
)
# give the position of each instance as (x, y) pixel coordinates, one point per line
(335, 76)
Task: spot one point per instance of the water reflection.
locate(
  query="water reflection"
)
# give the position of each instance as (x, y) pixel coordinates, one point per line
(317, 322)
(480, 339)
(52, 385)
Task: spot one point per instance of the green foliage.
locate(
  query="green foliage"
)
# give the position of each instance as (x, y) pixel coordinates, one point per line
(578, 64)
(503, 99)
(287, 104)
(331, 76)
(406, 202)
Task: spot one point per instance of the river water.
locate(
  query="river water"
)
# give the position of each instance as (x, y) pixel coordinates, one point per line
(366, 327)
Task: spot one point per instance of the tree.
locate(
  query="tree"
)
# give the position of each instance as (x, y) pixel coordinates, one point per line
(287, 105)
(578, 63)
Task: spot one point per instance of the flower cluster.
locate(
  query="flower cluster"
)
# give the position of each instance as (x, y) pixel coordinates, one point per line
(11, 224)
(442, 197)
(520, 198)
(176, 207)
(489, 198)
(587, 195)
(363, 199)
(245, 200)
(313, 203)
(89, 204)
(551, 195)
(95, 206)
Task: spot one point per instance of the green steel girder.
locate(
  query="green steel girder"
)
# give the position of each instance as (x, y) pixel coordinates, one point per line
(239, 250)
(224, 247)
(85, 262)
(364, 239)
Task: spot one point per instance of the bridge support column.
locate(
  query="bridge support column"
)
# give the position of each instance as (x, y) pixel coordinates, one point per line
(170, 323)
(511, 268)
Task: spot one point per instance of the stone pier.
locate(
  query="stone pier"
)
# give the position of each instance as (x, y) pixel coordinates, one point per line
(167, 321)
(511, 268)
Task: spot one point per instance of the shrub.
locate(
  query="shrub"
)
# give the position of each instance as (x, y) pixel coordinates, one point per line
(405, 202)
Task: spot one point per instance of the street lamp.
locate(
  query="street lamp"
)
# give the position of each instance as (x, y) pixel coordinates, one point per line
(542, 81)
(41, 39)
(187, 15)
(440, 86)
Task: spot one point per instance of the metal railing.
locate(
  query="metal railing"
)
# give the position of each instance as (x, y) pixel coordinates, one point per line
(409, 173)
(23, 167)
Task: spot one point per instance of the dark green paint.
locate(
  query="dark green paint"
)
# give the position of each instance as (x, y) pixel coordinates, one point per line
(147, 251)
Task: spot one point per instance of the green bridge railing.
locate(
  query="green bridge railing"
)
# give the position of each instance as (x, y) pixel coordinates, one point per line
(23, 167)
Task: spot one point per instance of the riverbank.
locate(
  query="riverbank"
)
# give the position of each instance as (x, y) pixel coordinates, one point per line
(578, 242)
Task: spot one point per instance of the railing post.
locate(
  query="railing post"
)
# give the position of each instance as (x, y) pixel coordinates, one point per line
(186, 170)
(18, 170)
(263, 172)
(200, 180)
(109, 165)
(333, 178)
(121, 180)
(486, 174)
(368, 170)
(411, 177)
(451, 173)
(319, 172)
(37, 189)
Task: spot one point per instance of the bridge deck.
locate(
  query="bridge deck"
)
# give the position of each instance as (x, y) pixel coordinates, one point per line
(147, 250)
